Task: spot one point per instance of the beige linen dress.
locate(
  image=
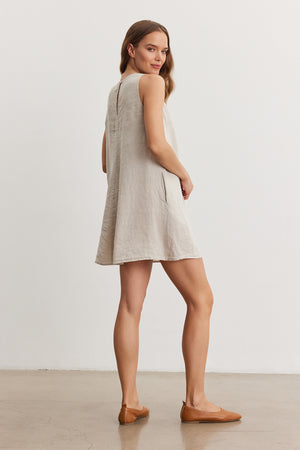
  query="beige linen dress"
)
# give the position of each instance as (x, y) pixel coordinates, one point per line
(145, 213)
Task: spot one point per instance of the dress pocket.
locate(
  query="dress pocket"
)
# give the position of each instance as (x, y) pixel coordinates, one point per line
(171, 188)
(164, 187)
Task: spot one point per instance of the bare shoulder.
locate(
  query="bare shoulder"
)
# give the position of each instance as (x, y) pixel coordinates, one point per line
(152, 78)
(151, 85)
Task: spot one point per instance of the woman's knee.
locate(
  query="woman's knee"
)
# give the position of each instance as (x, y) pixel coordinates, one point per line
(134, 277)
(202, 301)
(132, 305)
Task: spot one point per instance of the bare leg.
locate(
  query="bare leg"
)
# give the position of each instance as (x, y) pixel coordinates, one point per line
(189, 276)
(134, 278)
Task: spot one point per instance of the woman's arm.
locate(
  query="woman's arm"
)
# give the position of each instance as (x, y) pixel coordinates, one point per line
(153, 94)
(104, 153)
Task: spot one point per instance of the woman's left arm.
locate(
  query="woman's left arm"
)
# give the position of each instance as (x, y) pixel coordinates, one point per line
(104, 153)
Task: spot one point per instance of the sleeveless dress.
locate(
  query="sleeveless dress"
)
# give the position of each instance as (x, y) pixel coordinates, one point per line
(145, 215)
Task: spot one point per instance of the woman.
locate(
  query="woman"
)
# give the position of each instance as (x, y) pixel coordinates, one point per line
(145, 220)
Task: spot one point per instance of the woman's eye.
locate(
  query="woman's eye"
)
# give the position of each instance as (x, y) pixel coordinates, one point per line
(164, 51)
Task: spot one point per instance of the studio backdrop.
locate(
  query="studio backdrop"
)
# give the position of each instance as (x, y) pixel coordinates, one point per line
(235, 109)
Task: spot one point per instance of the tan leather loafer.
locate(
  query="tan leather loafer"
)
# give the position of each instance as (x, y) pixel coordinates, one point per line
(129, 415)
(190, 414)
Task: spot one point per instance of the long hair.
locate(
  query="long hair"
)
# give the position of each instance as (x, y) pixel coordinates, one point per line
(134, 35)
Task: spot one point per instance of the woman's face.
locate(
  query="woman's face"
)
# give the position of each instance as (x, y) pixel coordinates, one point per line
(150, 54)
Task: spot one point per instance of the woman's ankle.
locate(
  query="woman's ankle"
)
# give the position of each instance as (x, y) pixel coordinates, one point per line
(131, 403)
(195, 400)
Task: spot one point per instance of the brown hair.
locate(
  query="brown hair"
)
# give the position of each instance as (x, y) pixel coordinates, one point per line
(134, 35)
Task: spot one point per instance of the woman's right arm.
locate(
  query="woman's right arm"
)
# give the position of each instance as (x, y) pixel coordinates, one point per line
(153, 94)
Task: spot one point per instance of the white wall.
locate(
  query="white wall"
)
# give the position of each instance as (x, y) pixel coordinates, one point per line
(236, 113)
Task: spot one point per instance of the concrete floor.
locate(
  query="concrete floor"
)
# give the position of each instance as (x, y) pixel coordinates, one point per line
(78, 410)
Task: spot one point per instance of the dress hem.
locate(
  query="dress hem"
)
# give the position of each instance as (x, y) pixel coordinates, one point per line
(175, 258)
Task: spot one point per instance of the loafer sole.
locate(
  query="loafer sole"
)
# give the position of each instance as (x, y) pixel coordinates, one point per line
(209, 421)
(130, 423)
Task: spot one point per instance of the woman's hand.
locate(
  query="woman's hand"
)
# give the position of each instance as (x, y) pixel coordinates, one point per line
(186, 186)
